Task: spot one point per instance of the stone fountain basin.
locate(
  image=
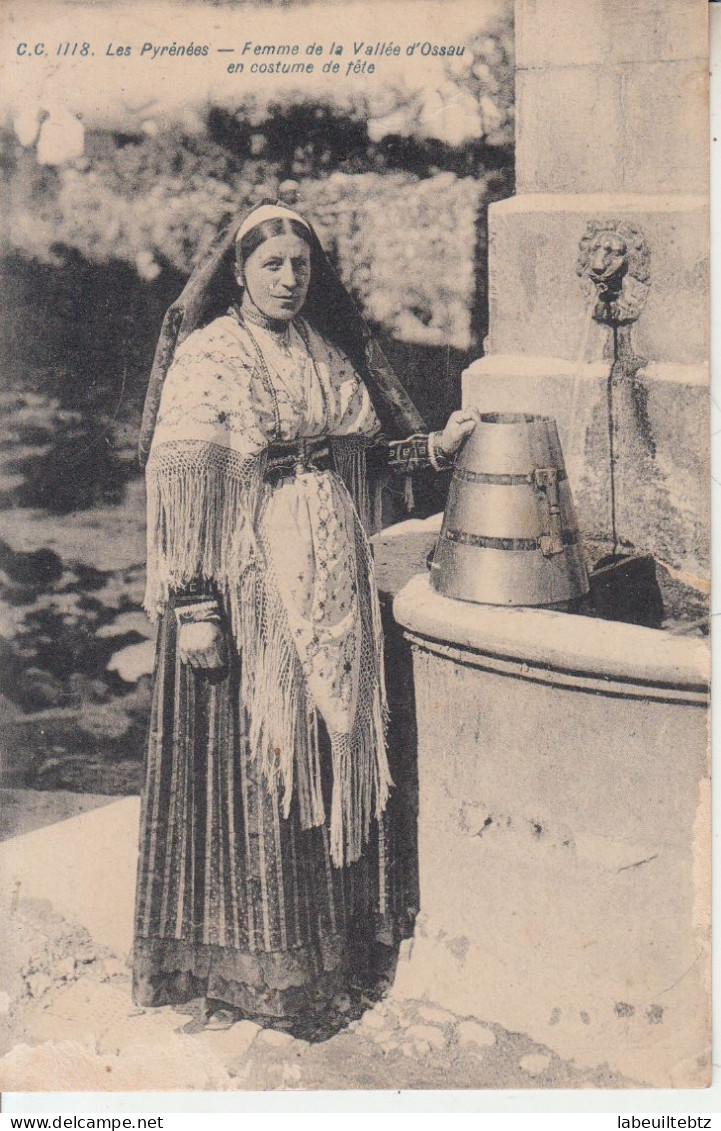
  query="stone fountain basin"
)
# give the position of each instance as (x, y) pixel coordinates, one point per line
(562, 828)
(560, 647)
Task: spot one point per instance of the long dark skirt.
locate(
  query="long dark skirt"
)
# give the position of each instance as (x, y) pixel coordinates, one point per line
(234, 901)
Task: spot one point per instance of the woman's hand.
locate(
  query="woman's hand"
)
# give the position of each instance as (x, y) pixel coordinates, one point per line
(459, 426)
(202, 645)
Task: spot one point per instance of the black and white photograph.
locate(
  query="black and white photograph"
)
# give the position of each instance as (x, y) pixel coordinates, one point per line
(355, 545)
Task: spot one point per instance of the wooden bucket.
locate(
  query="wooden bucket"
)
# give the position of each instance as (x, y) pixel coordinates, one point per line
(509, 534)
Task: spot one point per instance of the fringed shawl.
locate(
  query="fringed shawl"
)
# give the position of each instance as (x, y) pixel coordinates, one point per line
(206, 504)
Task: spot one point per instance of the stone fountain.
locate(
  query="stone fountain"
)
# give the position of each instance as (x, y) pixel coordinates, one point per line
(563, 760)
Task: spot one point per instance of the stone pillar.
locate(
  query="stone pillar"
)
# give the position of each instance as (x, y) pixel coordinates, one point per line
(612, 127)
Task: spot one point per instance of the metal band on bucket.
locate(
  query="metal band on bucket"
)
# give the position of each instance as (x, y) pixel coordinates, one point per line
(487, 542)
(463, 475)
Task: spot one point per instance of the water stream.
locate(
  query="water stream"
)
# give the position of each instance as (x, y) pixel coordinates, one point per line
(575, 431)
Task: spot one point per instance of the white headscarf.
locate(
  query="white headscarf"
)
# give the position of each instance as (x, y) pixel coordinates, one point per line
(268, 212)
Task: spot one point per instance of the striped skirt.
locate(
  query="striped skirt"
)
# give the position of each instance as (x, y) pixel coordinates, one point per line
(235, 902)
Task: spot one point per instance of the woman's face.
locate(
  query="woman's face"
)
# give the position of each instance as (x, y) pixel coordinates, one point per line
(276, 276)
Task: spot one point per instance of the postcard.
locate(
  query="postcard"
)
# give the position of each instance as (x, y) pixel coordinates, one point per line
(355, 545)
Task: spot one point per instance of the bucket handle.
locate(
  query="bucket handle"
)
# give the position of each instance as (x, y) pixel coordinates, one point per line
(545, 480)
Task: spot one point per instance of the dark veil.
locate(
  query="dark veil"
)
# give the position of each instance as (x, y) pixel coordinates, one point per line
(212, 288)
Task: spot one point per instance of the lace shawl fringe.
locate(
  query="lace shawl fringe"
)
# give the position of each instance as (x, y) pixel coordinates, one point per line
(203, 504)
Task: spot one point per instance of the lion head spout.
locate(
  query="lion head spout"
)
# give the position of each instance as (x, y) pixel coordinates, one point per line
(613, 261)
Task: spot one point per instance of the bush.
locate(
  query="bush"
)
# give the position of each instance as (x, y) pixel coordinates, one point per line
(406, 248)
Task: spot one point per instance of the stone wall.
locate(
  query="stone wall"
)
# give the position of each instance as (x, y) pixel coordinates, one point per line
(611, 127)
(611, 96)
(563, 832)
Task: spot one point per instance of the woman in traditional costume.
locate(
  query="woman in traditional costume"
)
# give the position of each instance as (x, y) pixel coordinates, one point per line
(262, 860)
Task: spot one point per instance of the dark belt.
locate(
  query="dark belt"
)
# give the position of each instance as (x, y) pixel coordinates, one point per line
(287, 458)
